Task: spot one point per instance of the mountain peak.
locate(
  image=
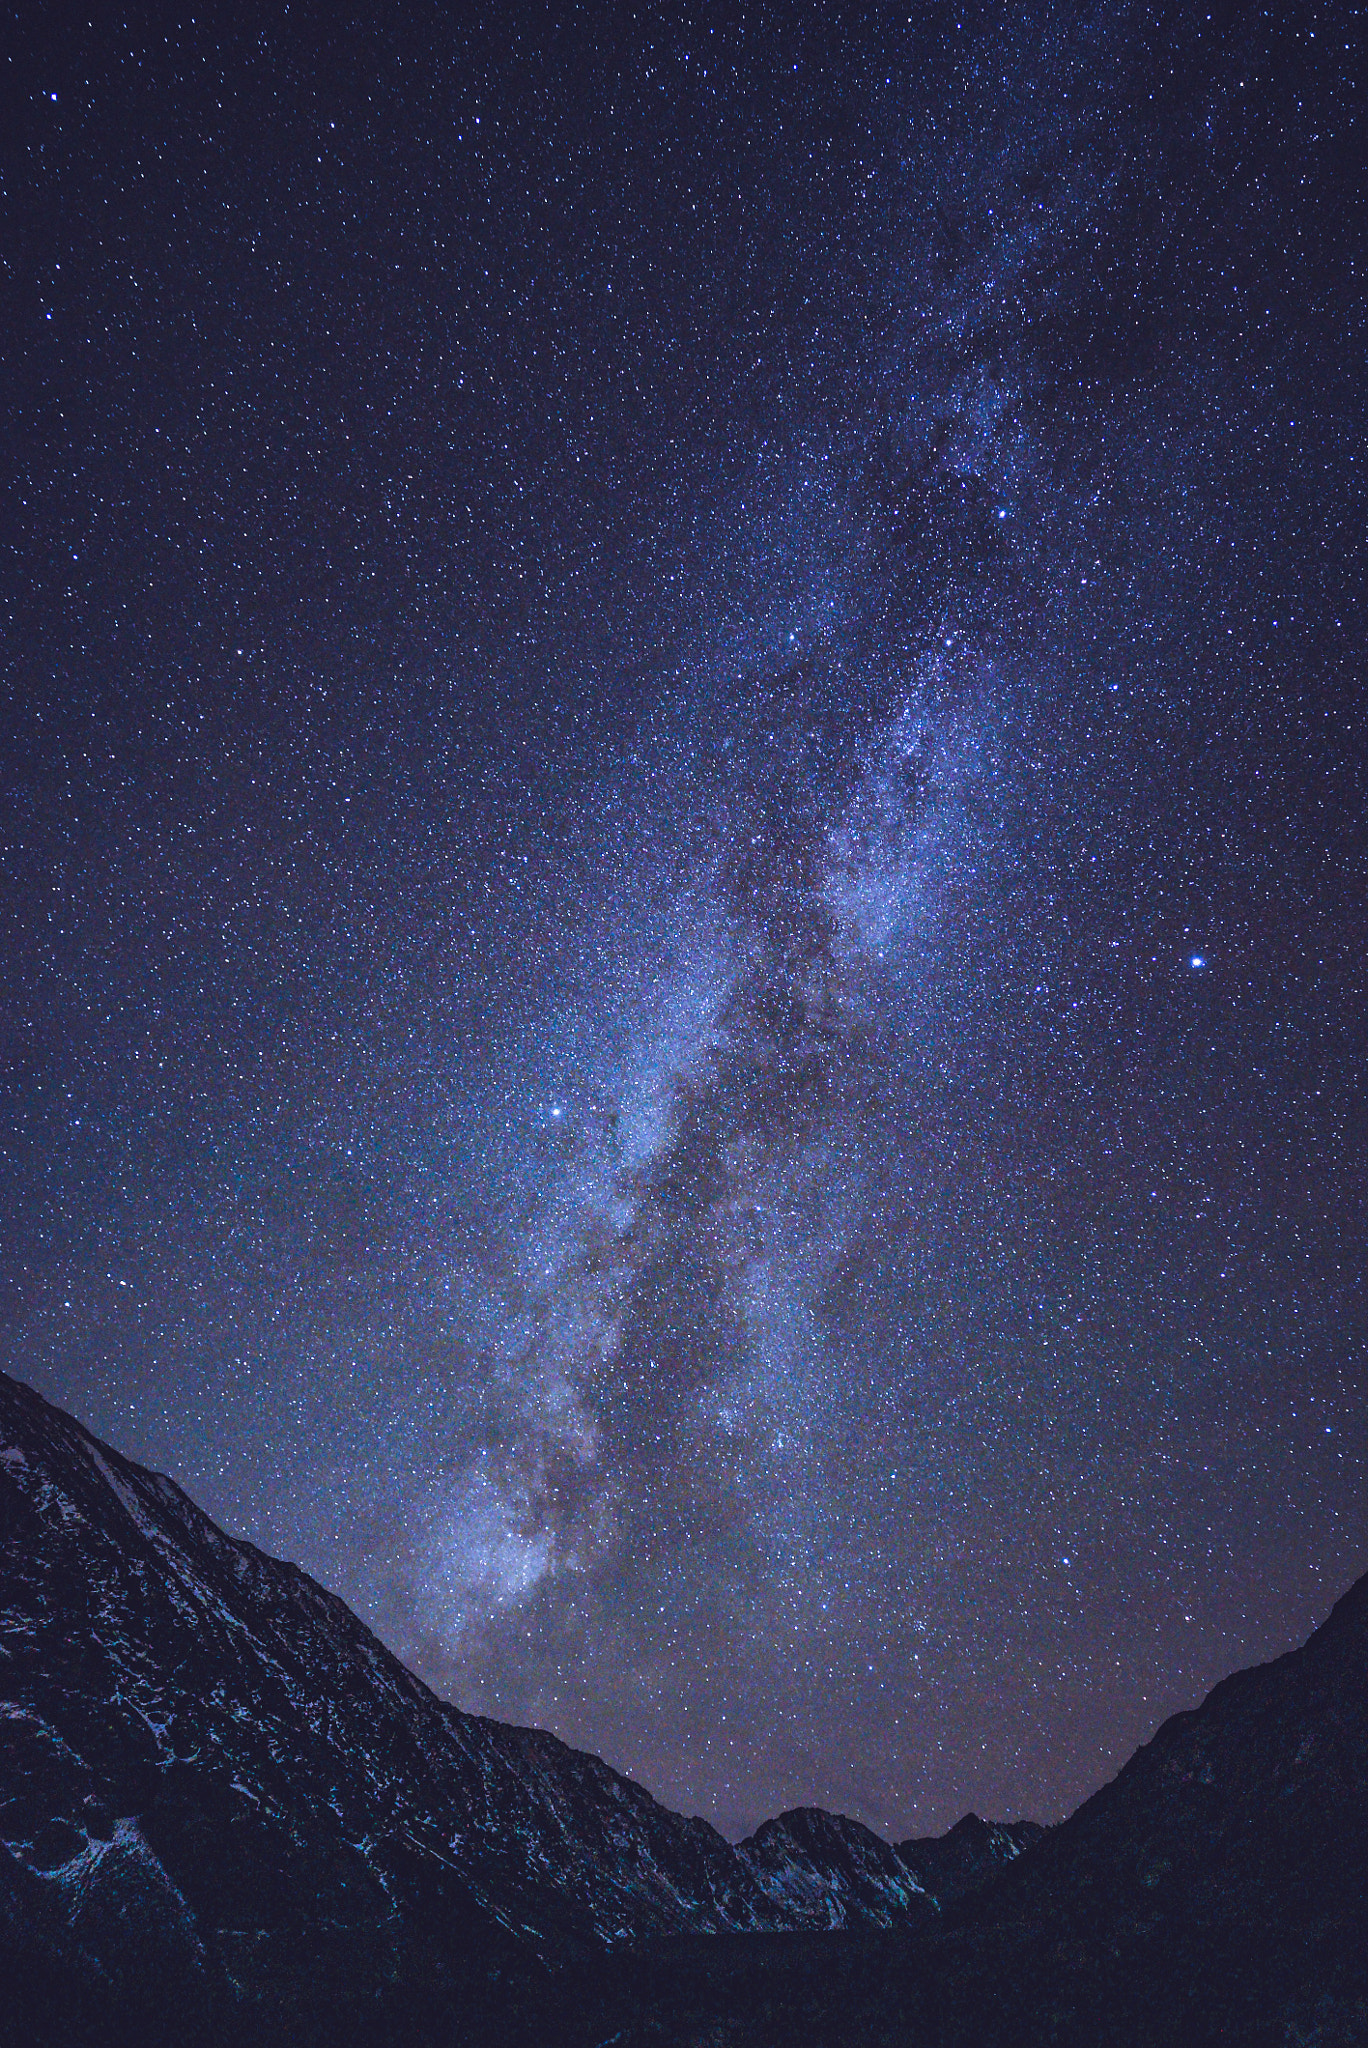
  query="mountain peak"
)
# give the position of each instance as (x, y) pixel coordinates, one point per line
(222, 1797)
(201, 1737)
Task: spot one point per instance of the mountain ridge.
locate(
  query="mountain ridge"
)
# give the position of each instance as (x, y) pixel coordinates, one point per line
(229, 1814)
(245, 1743)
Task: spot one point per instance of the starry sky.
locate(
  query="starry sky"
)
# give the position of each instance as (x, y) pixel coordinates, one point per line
(684, 849)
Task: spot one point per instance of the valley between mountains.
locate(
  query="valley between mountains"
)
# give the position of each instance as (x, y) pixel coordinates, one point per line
(229, 1814)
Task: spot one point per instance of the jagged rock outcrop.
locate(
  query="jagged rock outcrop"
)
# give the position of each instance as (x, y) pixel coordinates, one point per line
(823, 1869)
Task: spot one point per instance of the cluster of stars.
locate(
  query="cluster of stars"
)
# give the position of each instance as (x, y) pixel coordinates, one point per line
(684, 766)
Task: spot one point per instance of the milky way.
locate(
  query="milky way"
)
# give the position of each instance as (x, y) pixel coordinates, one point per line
(684, 828)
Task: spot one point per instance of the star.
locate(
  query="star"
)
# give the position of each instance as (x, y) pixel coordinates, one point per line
(650, 696)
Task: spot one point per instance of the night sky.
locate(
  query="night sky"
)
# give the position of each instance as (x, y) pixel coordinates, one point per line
(684, 849)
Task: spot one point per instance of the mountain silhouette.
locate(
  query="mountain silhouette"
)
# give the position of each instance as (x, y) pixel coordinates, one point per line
(229, 1814)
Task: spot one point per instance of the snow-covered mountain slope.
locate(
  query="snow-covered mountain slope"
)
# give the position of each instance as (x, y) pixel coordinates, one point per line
(206, 1759)
(229, 1815)
(823, 1869)
(168, 1680)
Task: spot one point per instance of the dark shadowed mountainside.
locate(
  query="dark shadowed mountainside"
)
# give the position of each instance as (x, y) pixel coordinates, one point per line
(221, 1796)
(951, 1865)
(228, 1814)
(1215, 1892)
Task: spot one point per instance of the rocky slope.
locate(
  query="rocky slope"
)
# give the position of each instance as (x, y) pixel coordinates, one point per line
(213, 1776)
(823, 1870)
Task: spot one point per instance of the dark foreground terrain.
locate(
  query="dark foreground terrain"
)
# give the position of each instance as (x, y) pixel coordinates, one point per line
(229, 1815)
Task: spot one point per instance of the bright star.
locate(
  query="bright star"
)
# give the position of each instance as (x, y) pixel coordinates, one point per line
(1197, 960)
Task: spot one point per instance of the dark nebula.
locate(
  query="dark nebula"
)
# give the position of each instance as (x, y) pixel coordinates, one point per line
(684, 850)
